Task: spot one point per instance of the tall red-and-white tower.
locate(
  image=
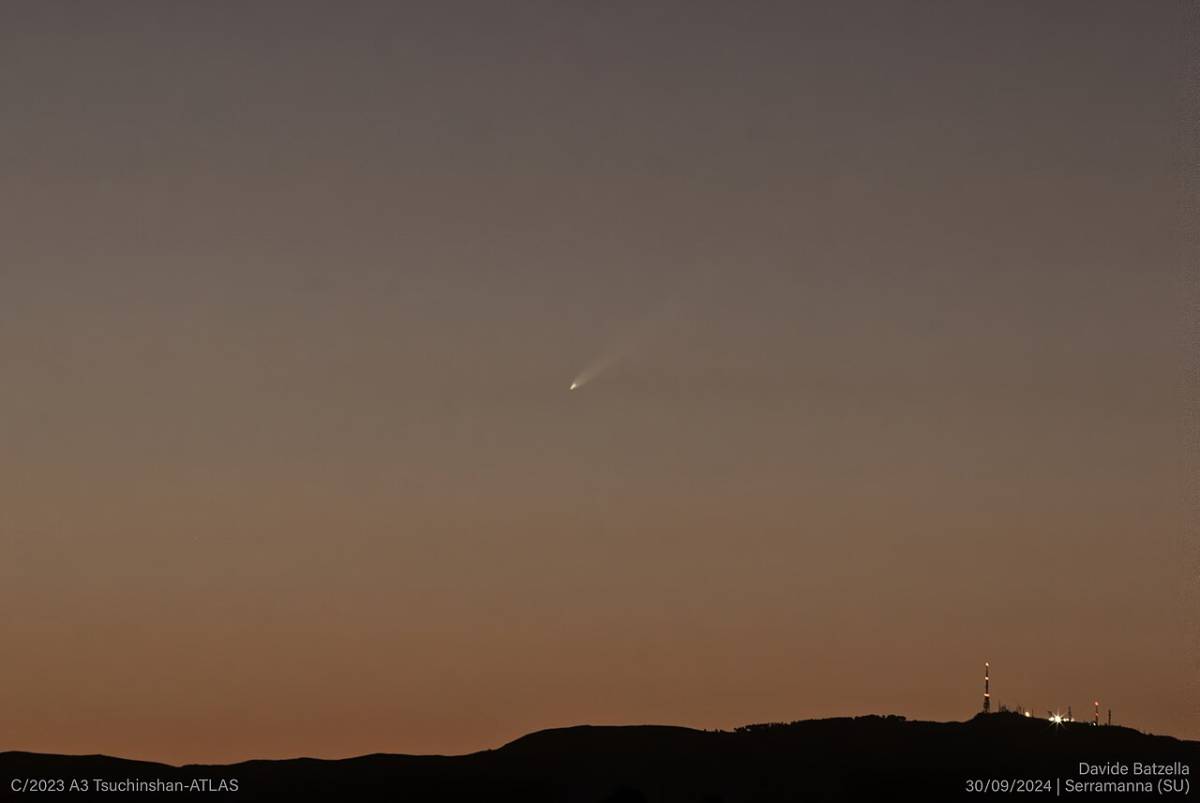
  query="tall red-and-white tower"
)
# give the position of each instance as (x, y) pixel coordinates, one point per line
(987, 692)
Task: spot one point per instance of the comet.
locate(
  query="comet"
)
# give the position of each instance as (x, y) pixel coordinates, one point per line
(600, 364)
(629, 339)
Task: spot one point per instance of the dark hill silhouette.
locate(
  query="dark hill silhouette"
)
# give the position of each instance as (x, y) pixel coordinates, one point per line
(862, 758)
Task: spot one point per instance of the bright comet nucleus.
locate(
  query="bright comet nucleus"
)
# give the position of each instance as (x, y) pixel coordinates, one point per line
(573, 386)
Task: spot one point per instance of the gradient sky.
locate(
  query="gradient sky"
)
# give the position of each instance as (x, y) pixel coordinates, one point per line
(291, 295)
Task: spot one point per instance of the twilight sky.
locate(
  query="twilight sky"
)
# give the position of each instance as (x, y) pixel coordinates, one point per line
(291, 295)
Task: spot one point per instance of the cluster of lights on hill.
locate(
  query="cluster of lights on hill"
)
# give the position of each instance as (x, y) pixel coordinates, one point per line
(1054, 717)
